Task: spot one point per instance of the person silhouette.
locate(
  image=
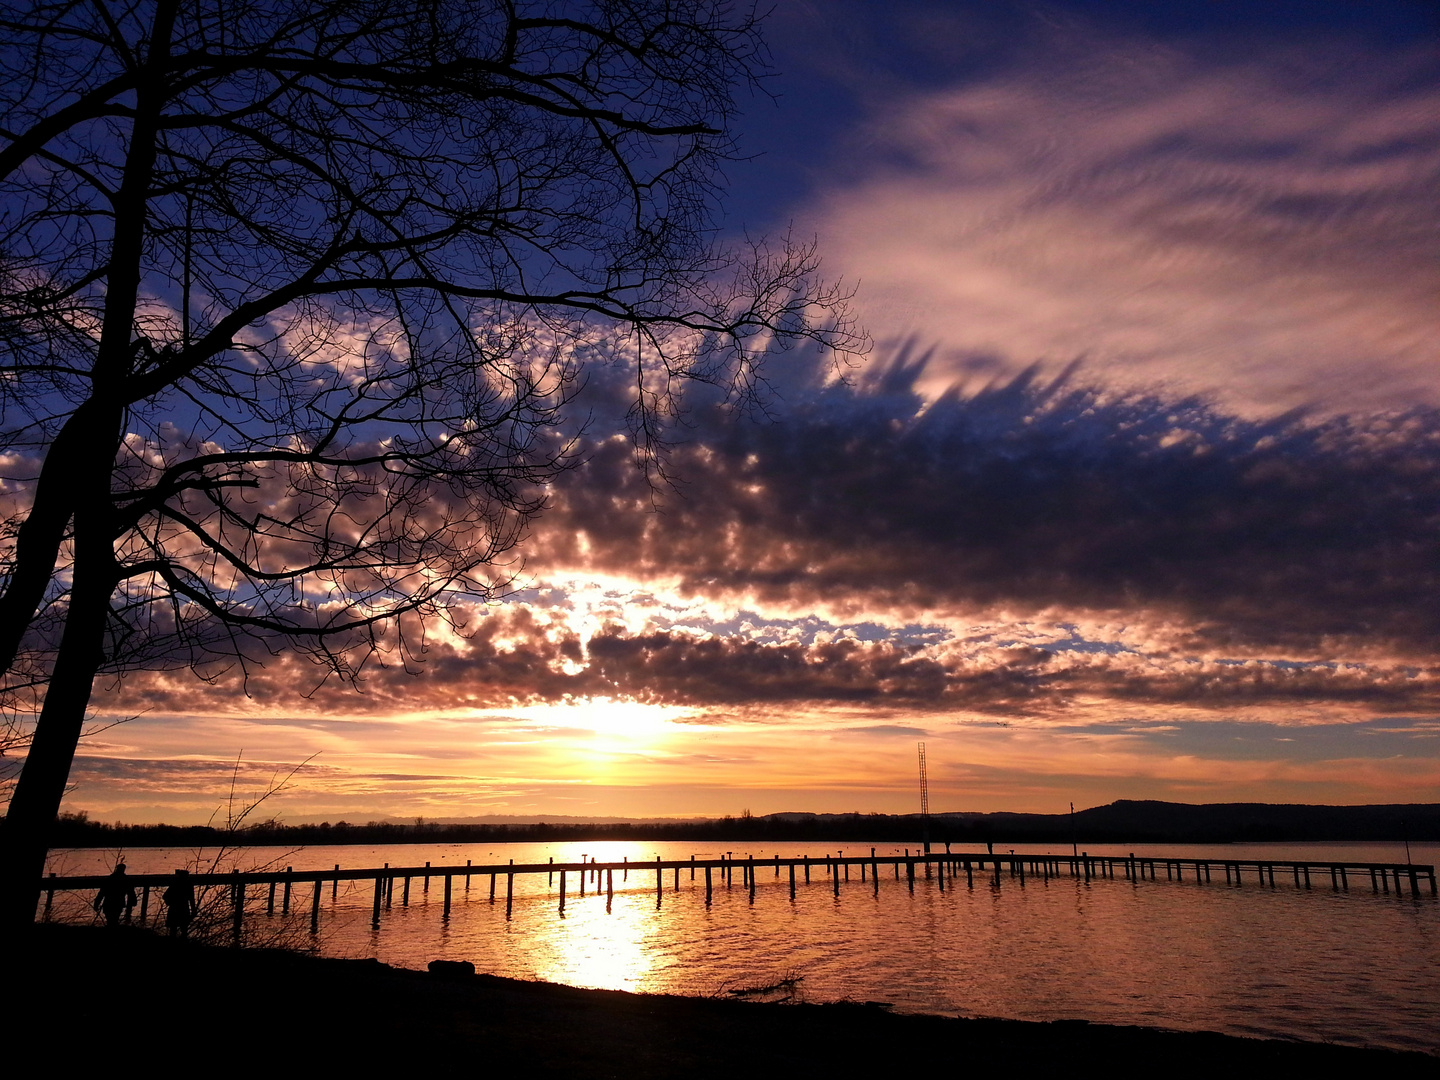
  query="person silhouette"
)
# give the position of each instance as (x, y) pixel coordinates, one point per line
(180, 905)
(115, 896)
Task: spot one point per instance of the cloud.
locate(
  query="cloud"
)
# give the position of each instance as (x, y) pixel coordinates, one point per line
(776, 682)
(1254, 224)
(883, 730)
(1039, 548)
(1166, 524)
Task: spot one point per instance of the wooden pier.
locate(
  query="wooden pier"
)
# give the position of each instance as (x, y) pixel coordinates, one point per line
(946, 869)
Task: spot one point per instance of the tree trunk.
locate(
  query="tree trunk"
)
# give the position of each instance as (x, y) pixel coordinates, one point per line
(36, 801)
(85, 471)
(38, 542)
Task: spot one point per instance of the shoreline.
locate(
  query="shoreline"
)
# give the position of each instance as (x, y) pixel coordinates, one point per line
(102, 992)
(1123, 821)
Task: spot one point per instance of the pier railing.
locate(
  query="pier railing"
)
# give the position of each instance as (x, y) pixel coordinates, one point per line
(946, 868)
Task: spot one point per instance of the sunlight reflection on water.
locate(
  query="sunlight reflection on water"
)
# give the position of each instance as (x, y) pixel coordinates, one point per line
(1349, 967)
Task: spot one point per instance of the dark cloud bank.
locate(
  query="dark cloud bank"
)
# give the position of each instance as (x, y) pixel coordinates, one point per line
(1291, 562)
(1296, 537)
(1303, 545)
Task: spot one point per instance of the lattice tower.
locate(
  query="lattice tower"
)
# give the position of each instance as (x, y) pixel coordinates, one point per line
(924, 790)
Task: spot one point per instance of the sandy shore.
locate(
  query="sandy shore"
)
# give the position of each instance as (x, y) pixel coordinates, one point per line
(91, 996)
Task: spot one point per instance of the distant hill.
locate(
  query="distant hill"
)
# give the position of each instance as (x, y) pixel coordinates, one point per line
(1155, 821)
(1125, 821)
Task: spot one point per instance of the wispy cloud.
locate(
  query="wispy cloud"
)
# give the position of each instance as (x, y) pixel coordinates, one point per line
(1257, 227)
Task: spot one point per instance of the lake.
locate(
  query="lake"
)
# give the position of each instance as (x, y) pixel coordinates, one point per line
(1350, 968)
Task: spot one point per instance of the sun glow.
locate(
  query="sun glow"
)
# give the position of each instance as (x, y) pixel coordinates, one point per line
(608, 716)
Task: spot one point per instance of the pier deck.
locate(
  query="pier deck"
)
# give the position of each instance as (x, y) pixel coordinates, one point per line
(947, 869)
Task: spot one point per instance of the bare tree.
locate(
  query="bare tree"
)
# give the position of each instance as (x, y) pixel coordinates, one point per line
(294, 295)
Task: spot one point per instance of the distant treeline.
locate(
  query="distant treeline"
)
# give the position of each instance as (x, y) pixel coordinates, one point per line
(1125, 821)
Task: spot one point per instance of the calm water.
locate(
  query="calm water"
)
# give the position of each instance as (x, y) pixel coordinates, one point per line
(1351, 968)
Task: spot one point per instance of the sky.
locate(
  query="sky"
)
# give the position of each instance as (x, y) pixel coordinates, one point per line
(1136, 494)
